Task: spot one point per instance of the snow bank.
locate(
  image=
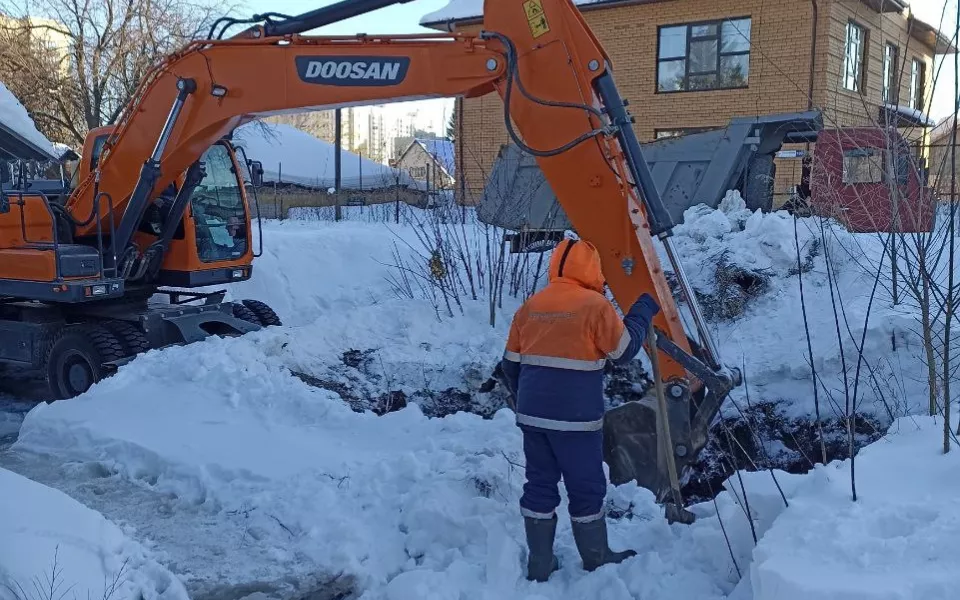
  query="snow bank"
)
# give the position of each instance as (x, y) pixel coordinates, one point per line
(899, 541)
(50, 539)
(407, 506)
(404, 505)
(770, 336)
(293, 156)
(14, 116)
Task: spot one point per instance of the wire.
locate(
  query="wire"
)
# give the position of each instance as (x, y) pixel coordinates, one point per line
(514, 73)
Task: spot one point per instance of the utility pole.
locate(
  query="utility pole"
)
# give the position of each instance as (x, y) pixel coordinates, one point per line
(338, 148)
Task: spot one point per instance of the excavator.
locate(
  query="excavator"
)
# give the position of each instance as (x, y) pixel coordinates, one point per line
(159, 207)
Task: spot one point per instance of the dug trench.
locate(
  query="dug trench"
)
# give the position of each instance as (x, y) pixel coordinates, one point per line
(759, 434)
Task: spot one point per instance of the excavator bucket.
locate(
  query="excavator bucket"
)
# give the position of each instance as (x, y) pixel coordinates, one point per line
(634, 435)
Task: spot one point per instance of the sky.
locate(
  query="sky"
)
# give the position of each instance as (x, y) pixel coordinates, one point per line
(433, 114)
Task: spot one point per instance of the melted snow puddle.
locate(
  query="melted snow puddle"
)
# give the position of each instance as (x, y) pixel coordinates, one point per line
(217, 555)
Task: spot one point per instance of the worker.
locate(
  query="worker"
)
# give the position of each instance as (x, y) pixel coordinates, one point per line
(558, 345)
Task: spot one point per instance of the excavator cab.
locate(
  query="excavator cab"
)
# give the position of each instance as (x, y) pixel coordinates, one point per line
(68, 310)
(211, 245)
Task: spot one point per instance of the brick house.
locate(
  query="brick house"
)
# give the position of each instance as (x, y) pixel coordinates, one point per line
(430, 161)
(690, 65)
(941, 155)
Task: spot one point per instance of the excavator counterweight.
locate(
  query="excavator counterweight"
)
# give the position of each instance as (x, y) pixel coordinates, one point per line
(154, 205)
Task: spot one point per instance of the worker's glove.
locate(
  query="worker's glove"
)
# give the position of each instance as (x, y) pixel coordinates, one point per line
(644, 309)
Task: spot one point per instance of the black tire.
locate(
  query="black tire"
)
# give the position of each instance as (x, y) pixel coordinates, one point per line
(265, 314)
(132, 339)
(76, 358)
(245, 314)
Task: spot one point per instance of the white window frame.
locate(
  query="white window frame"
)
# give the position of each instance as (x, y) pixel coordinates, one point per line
(854, 57)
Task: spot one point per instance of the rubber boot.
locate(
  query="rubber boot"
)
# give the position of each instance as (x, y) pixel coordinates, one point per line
(541, 561)
(591, 539)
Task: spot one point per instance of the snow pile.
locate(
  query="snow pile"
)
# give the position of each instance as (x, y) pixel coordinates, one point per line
(744, 269)
(52, 541)
(399, 505)
(293, 156)
(14, 116)
(899, 541)
(403, 504)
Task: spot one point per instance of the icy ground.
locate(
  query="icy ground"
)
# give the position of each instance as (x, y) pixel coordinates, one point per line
(54, 547)
(245, 481)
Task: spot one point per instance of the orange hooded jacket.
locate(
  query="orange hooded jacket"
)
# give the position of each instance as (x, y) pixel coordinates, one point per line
(560, 340)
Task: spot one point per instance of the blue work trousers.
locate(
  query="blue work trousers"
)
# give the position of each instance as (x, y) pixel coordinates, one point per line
(577, 456)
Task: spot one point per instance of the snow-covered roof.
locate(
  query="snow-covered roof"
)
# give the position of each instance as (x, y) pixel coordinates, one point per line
(911, 114)
(293, 156)
(442, 151)
(460, 10)
(19, 136)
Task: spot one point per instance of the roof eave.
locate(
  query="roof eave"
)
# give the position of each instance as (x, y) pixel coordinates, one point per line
(930, 35)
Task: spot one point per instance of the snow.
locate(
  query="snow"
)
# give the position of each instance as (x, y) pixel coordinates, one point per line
(458, 10)
(224, 438)
(51, 540)
(777, 365)
(293, 156)
(14, 116)
(913, 114)
(899, 541)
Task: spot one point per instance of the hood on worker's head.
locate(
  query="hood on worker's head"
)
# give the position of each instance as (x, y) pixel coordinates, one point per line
(578, 261)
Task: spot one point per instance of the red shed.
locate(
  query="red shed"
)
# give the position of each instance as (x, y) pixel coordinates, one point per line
(869, 179)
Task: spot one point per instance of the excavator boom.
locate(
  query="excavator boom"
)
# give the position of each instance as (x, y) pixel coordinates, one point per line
(560, 104)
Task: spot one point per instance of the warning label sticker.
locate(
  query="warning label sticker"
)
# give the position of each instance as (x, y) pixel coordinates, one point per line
(535, 17)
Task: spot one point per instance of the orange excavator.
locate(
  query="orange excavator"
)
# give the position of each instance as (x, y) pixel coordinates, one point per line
(160, 205)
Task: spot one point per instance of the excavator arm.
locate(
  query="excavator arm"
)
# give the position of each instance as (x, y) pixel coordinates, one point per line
(560, 104)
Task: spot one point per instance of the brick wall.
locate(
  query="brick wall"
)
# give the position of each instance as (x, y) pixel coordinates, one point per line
(778, 81)
(845, 108)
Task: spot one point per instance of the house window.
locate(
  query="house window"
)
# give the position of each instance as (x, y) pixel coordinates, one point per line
(917, 73)
(863, 165)
(678, 132)
(418, 172)
(889, 91)
(853, 57)
(704, 56)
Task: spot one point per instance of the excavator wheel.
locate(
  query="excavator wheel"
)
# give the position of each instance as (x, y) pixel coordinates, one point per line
(265, 314)
(243, 313)
(76, 357)
(131, 337)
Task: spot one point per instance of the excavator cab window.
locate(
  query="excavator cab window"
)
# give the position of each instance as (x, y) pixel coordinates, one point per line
(95, 153)
(218, 209)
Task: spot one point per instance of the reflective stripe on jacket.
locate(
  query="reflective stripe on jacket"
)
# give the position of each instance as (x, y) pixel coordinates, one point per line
(559, 343)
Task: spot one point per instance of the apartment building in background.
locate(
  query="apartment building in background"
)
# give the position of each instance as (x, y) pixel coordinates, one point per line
(691, 65)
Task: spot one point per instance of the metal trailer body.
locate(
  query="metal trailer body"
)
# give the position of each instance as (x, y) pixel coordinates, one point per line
(693, 169)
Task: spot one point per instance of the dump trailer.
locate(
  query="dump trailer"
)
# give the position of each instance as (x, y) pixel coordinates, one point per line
(700, 168)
